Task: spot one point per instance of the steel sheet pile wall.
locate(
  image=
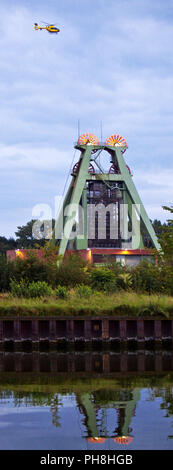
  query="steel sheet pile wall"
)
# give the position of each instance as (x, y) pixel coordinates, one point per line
(85, 329)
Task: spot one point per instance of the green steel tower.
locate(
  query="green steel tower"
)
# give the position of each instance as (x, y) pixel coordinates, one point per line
(102, 212)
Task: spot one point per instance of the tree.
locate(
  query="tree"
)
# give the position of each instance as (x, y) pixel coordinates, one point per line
(29, 238)
(158, 226)
(7, 244)
(24, 235)
(166, 239)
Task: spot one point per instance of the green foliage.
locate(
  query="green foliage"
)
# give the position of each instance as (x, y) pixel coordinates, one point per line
(152, 310)
(72, 271)
(125, 280)
(61, 292)
(7, 244)
(166, 240)
(27, 289)
(158, 227)
(50, 254)
(39, 289)
(146, 277)
(6, 272)
(31, 268)
(3, 274)
(103, 279)
(26, 235)
(19, 289)
(84, 291)
(116, 268)
(166, 278)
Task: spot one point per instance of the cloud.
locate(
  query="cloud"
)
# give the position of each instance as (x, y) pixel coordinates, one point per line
(24, 157)
(114, 66)
(154, 192)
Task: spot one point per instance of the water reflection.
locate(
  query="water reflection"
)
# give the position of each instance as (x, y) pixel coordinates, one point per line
(88, 362)
(43, 406)
(108, 413)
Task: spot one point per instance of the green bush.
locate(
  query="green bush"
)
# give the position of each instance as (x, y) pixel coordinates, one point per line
(19, 289)
(146, 277)
(28, 272)
(103, 279)
(124, 280)
(116, 268)
(166, 279)
(39, 289)
(33, 289)
(84, 291)
(30, 268)
(6, 271)
(72, 271)
(61, 292)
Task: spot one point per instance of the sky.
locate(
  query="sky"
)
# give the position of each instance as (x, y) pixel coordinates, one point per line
(111, 63)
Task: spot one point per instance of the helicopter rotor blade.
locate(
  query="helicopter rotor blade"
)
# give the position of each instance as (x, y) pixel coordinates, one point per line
(48, 24)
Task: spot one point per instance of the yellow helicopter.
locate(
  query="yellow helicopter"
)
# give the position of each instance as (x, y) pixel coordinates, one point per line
(49, 27)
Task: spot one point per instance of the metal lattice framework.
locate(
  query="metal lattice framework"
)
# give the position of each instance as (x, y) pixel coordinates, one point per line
(87, 186)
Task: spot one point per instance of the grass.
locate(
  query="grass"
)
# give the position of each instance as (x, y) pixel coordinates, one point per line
(122, 303)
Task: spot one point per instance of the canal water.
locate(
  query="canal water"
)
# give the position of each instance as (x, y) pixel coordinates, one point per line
(86, 400)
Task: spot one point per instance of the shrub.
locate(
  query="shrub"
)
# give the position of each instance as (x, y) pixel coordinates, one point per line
(30, 268)
(116, 268)
(124, 280)
(84, 291)
(103, 279)
(146, 277)
(6, 271)
(166, 279)
(23, 288)
(71, 271)
(39, 289)
(19, 289)
(61, 292)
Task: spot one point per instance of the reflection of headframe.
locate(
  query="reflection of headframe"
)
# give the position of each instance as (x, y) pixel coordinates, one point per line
(124, 404)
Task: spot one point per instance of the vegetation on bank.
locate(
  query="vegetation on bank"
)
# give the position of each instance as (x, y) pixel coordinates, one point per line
(40, 285)
(96, 303)
(147, 277)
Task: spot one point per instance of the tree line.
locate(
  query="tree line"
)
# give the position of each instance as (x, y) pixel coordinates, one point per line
(24, 235)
